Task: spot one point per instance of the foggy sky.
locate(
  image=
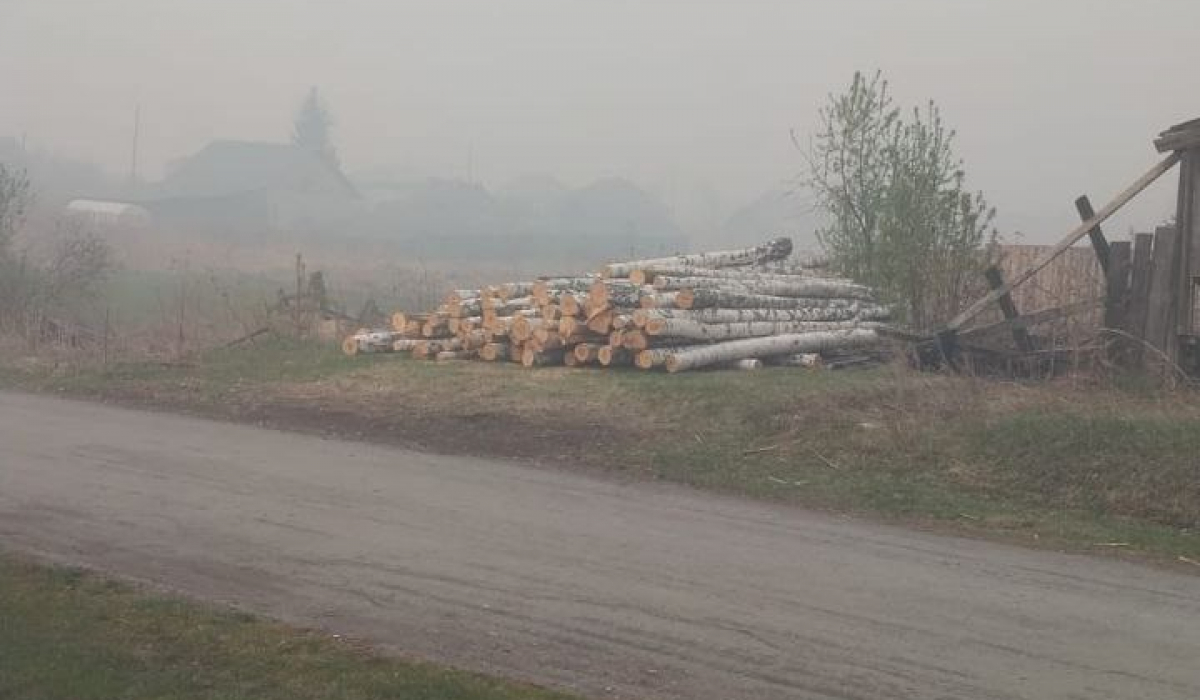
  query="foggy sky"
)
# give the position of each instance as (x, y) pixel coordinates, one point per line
(1050, 98)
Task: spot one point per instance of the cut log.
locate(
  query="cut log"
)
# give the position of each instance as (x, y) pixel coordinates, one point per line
(634, 340)
(533, 358)
(616, 293)
(683, 328)
(571, 303)
(803, 359)
(570, 360)
(617, 338)
(404, 344)
(493, 352)
(661, 300)
(370, 342)
(542, 288)
(652, 358)
(775, 249)
(542, 344)
(749, 363)
(721, 299)
(641, 317)
(609, 356)
(569, 325)
(586, 353)
(779, 286)
(601, 321)
(399, 322)
(790, 344)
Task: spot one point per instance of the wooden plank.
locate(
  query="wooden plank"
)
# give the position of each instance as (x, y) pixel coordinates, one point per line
(1159, 309)
(1187, 223)
(1179, 137)
(1071, 238)
(1019, 333)
(1139, 290)
(1116, 298)
(1099, 243)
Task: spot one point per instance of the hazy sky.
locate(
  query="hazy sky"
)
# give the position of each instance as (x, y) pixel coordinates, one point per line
(1051, 98)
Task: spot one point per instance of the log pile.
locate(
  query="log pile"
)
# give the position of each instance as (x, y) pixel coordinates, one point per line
(728, 309)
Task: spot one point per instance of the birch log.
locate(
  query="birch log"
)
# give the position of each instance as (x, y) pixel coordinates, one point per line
(533, 358)
(723, 299)
(775, 249)
(609, 356)
(642, 317)
(493, 352)
(692, 330)
(817, 287)
(661, 300)
(542, 288)
(634, 340)
(803, 359)
(586, 353)
(819, 341)
(651, 358)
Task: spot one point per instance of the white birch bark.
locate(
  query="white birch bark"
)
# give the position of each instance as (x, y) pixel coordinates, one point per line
(790, 344)
(692, 330)
(775, 249)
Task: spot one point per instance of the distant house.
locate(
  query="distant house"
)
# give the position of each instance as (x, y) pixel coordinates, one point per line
(251, 186)
(105, 214)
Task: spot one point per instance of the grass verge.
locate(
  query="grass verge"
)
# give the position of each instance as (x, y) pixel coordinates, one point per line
(1067, 463)
(65, 634)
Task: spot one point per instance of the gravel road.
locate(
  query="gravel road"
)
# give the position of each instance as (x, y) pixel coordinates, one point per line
(608, 589)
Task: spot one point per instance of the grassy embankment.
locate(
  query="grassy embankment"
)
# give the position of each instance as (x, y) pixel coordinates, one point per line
(69, 634)
(1066, 463)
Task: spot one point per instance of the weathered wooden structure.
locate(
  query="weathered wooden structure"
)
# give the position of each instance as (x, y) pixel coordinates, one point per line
(1151, 300)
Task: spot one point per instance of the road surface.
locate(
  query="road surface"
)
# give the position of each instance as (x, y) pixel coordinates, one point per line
(608, 589)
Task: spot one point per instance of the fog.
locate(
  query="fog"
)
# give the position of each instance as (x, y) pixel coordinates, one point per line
(691, 100)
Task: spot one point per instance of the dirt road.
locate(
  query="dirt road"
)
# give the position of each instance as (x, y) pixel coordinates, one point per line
(608, 589)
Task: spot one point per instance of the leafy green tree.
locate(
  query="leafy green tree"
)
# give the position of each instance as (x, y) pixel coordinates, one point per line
(899, 214)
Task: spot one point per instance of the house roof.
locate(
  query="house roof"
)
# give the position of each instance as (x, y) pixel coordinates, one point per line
(224, 168)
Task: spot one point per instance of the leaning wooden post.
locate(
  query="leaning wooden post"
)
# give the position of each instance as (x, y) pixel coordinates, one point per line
(1099, 243)
(1020, 334)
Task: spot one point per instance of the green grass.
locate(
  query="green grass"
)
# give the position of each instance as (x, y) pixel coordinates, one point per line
(70, 635)
(1066, 463)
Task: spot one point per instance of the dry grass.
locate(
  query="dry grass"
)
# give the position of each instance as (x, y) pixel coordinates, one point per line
(1070, 461)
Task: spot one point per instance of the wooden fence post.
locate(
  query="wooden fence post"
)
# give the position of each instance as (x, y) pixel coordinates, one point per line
(1160, 312)
(1116, 298)
(1139, 294)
